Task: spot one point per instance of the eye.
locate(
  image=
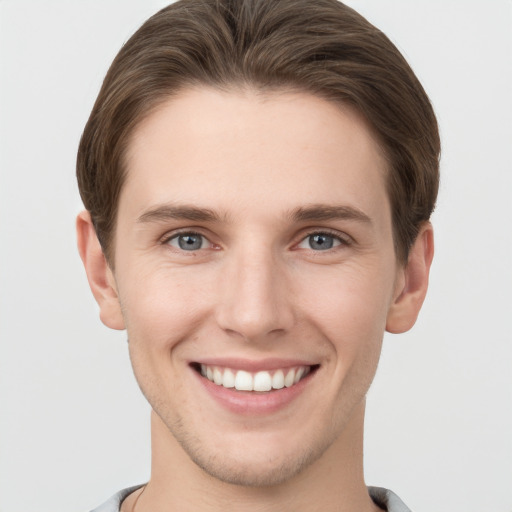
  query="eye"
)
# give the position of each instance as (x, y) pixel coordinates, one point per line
(188, 241)
(320, 242)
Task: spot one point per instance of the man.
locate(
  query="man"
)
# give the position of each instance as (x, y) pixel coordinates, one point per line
(258, 177)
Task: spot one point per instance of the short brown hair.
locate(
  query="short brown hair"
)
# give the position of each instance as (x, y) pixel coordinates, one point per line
(322, 47)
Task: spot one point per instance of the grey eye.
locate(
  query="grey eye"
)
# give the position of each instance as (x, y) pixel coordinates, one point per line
(187, 241)
(320, 242)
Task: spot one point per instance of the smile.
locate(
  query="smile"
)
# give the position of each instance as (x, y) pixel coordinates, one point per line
(261, 381)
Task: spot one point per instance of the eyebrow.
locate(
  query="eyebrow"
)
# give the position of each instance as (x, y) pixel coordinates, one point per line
(181, 212)
(320, 212)
(315, 212)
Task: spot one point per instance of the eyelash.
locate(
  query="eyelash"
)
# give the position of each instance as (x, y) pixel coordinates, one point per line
(342, 241)
(168, 238)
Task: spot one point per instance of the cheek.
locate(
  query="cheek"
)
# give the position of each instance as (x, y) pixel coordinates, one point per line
(357, 291)
(163, 306)
(161, 309)
(349, 307)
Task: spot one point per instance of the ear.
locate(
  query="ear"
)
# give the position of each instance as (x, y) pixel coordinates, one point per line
(412, 283)
(100, 276)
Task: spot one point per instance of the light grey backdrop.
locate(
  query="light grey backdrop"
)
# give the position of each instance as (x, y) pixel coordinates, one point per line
(73, 425)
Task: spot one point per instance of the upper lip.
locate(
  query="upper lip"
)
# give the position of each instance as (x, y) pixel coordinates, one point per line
(253, 365)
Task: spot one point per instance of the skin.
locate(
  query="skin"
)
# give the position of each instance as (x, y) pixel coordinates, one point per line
(257, 288)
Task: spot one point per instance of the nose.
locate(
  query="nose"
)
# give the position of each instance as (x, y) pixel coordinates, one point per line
(255, 302)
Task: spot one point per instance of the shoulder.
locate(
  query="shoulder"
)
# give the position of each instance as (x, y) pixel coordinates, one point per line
(113, 504)
(387, 500)
(384, 498)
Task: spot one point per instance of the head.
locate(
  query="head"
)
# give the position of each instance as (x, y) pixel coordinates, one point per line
(259, 175)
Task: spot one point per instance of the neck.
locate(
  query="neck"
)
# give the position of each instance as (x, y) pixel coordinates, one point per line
(333, 482)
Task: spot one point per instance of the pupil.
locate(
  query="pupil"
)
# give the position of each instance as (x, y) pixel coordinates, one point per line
(321, 242)
(190, 242)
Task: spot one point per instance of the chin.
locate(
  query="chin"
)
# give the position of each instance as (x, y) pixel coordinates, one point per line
(257, 472)
(252, 461)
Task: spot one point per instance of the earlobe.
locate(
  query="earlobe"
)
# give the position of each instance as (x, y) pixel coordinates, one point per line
(99, 274)
(413, 285)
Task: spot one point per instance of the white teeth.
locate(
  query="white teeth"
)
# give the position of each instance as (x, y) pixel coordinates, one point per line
(217, 376)
(260, 381)
(289, 379)
(243, 381)
(278, 380)
(298, 374)
(229, 379)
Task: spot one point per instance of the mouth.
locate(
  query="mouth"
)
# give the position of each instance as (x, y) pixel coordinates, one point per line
(260, 381)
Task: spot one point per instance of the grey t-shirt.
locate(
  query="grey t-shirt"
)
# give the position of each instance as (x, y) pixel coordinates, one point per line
(382, 497)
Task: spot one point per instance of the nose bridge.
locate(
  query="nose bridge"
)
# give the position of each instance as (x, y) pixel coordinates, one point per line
(255, 299)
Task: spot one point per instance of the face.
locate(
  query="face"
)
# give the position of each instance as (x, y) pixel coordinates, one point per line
(255, 269)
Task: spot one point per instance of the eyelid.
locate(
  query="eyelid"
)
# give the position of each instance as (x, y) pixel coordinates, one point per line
(165, 239)
(169, 235)
(343, 238)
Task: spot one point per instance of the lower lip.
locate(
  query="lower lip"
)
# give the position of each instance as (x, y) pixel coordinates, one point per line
(253, 402)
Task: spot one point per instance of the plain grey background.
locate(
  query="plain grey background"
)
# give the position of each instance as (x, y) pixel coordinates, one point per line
(74, 427)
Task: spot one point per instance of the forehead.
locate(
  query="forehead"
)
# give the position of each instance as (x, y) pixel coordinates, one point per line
(246, 152)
